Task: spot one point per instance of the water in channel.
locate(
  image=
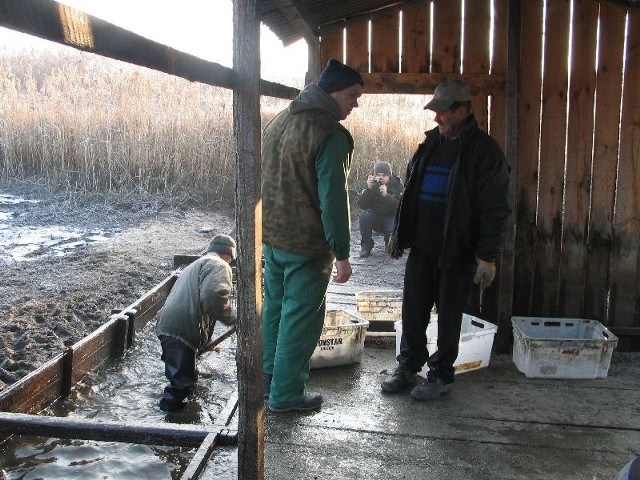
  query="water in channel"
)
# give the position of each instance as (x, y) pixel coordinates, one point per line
(127, 390)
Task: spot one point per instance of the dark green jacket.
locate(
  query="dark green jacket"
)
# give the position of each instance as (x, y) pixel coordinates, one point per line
(306, 156)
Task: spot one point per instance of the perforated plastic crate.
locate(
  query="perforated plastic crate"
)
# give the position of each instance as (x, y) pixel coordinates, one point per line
(562, 347)
(476, 341)
(379, 304)
(341, 341)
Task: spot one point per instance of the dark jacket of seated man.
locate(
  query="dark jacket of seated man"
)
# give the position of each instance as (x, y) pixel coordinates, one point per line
(378, 201)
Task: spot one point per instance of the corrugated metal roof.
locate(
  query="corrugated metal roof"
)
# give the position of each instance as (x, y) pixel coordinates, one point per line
(319, 14)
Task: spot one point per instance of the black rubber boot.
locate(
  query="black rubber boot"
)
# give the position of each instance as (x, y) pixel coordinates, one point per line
(311, 401)
(401, 378)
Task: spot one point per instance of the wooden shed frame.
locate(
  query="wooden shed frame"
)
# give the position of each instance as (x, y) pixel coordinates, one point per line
(554, 81)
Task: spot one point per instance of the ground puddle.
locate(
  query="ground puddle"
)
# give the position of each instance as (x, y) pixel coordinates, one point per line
(23, 243)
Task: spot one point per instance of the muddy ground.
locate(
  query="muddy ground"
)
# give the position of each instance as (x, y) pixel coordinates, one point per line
(53, 298)
(61, 292)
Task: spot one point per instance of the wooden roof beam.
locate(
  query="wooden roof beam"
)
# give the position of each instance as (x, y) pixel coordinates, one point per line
(68, 26)
(298, 19)
(425, 83)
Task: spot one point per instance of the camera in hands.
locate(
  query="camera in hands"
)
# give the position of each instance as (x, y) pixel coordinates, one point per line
(378, 181)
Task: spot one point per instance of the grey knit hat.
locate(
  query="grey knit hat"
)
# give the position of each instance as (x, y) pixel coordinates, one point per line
(223, 244)
(383, 167)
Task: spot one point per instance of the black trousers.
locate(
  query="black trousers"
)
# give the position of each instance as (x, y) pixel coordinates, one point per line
(425, 285)
(179, 368)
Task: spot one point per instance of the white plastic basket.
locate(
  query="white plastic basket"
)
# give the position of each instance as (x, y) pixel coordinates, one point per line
(379, 304)
(341, 341)
(476, 341)
(562, 347)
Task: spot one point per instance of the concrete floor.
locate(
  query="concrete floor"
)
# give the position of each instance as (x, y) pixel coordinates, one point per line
(495, 424)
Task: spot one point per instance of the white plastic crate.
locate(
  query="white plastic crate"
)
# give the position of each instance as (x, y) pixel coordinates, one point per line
(379, 305)
(562, 347)
(476, 341)
(341, 341)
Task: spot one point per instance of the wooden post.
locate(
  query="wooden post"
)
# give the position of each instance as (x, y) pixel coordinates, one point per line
(131, 331)
(507, 263)
(66, 383)
(313, 63)
(246, 130)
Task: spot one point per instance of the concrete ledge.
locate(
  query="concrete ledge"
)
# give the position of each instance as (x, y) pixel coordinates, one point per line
(380, 339)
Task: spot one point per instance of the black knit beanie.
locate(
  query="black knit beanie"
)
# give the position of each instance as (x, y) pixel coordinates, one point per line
(337, 76)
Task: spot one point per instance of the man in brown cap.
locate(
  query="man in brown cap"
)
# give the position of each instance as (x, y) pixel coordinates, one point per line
(306, 156)
(200, 297)
(453, 216)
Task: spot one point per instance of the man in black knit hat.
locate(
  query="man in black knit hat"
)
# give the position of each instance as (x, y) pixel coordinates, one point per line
(306, 156)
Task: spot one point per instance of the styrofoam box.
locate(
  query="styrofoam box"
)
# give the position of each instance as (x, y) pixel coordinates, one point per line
(379, 304)
(476, 340)
(562, 347)
(341, 341)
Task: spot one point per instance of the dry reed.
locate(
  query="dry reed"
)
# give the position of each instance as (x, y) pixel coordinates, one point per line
(78, 122)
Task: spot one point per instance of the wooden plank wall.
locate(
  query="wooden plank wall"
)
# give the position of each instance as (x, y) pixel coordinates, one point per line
(573, 249)
(551, 158)
(577, 194)
(573, 257)
(625, 277)
(605, 153)
(528, 145)
(416, 35)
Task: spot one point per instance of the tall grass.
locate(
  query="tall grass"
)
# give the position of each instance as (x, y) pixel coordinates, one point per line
(78, 122)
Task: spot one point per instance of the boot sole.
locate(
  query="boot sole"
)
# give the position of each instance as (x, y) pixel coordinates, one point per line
(418, 396)
(395, 390)
(294, 408)
(401, 388)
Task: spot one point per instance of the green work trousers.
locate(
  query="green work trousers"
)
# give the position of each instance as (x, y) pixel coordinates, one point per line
(293, 312)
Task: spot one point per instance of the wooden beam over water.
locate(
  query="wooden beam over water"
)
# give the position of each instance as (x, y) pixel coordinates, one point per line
(64, 427)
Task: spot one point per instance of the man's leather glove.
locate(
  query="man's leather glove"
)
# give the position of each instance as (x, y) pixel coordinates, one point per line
(485, 273)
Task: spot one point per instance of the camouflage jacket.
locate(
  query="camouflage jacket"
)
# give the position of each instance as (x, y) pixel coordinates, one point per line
(293, 153)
